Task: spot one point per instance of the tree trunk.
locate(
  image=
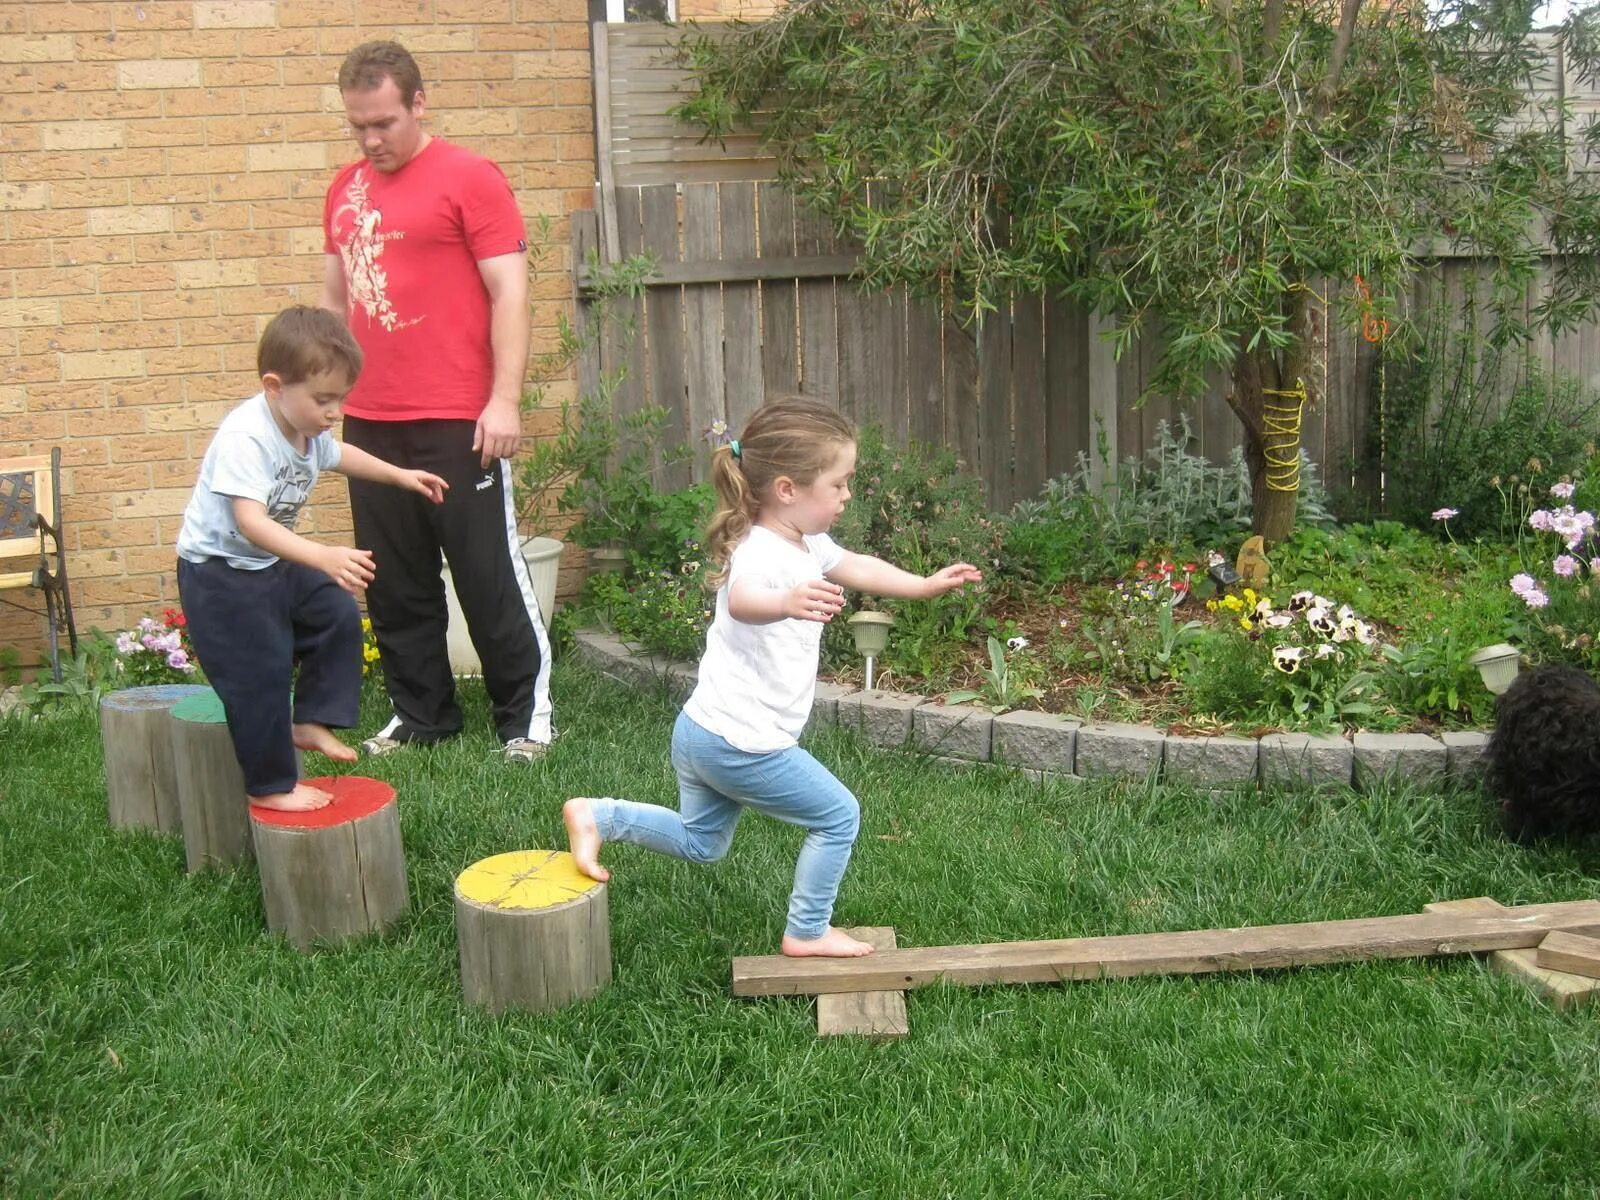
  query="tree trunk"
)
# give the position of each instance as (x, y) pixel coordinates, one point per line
(1259, 376)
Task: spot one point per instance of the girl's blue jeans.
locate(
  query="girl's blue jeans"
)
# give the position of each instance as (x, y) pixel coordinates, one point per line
(716, 783)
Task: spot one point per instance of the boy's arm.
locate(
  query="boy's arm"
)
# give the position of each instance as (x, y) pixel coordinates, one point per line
(868, 574)
(358, 464)
(351, 569)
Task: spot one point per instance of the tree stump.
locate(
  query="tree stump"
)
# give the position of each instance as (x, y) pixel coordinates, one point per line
(141, 783)
(211, 796)
(335, 872)
(534, 932)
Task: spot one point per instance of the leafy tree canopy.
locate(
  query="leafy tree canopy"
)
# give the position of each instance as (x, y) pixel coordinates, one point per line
(1189, 166)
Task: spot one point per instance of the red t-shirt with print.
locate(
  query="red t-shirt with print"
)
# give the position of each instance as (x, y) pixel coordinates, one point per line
(411, 241)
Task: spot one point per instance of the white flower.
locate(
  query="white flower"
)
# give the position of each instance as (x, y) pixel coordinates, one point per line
(1017, 643)
(1279, 621)
(1327, 650)
(1287, 658)
(1320, 619)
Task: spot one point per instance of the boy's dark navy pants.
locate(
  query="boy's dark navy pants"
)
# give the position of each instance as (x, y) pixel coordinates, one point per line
(251, 629)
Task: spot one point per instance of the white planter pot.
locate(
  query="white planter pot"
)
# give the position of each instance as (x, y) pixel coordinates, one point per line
(543, 558)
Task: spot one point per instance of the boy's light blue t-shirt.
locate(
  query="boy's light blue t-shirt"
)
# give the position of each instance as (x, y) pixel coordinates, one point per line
(250, 458)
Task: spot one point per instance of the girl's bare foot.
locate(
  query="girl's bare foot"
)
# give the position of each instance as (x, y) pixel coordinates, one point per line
(836, 943)
(583, 837)
(304, 798)
(310, 736)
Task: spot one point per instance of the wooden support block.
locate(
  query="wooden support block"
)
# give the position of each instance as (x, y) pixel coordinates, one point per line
(141, 784)
(335, 872)
(1194, 952)
(211, 796)
(534, 932)
(1572, 953)
(1561, 989)
(878, 1015)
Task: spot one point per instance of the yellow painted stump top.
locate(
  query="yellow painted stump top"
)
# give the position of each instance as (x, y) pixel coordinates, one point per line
(524, 879)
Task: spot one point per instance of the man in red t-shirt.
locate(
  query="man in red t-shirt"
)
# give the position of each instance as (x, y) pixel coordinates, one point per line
(427, 261)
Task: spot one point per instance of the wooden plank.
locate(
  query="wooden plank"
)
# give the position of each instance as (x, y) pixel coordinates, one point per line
(705, 370)
(994, 407)
(925, 371)
(878, 1015)
(643, 174)
(1029, 431)
(1066, 385)
(743, 270)
(961, 388)
(585, 238)
(625, 335)
(780, 345)
(1104, 406)
(1561, 989)
(664, 333)
(819, 339)
(1570, 952)
(741, 307)
(1192, 952)
(600, 39)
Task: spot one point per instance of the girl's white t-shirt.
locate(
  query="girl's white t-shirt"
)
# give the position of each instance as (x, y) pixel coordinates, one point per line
(757, 682)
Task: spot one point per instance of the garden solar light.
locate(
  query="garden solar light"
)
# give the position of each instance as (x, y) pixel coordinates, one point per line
(871, 631)
(1222, 574)
(1498, 666)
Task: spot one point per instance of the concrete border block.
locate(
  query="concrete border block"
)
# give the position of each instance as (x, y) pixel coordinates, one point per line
(1464, 755)
(882, 718)
(953, 731)
(1314, 760)
(1035, 741)
(1414, 757)
(1118, 750)
(1211, 761)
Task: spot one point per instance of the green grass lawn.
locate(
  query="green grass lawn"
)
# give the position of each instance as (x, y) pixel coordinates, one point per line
(156, 1041)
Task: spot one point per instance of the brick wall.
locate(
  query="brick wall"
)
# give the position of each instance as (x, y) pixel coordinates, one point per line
(162, 165)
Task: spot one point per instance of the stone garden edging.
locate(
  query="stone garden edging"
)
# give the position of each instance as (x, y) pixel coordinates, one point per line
(1065, 747)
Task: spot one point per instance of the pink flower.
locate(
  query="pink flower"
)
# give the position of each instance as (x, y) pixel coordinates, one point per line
(126, 644)
(1534, 598)
(1540, 520)
(1562, 491)
(1444, 514)
(1522, 584)
(1565, 566)
(178, 661)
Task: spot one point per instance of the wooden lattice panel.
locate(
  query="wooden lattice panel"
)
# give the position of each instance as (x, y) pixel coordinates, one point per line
(25, 491)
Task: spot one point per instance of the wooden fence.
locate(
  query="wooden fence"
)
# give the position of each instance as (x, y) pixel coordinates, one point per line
(753, 298)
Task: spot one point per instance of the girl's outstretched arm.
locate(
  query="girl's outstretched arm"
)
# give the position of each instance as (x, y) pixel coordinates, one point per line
(868, 574)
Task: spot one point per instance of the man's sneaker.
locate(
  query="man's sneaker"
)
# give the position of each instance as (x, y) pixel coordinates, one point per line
(524, 750)
(377, 747)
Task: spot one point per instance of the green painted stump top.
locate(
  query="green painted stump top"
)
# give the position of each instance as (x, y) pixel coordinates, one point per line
(203, 708)
(160, 695)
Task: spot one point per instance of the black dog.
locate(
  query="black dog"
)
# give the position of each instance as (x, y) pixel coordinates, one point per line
(1543, 760)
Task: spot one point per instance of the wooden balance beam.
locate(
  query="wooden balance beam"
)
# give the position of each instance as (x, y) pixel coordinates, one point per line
(1252, 948)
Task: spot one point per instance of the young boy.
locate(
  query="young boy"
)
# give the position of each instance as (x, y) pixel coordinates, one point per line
(259, 597)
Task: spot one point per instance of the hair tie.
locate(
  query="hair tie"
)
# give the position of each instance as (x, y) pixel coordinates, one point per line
(733, 445)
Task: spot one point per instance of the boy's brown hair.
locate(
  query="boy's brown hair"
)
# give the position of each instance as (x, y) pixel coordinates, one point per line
(369, 64)
(302, 341)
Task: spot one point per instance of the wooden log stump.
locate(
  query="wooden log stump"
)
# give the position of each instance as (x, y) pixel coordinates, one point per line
(141, 783)
(335, 872)
(211, 796)
(534, 932)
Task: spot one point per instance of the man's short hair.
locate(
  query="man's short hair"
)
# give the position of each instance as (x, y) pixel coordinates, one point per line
(303, 341)
(369, 64)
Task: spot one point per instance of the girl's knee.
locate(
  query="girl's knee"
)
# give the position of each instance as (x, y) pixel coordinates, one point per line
(844, 821)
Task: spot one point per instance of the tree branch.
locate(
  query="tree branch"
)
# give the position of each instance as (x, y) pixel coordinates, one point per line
(1235, 56)
(1349, 10)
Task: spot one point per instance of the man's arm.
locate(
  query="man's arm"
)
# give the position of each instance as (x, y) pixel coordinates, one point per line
(499, 430)
(335, 291)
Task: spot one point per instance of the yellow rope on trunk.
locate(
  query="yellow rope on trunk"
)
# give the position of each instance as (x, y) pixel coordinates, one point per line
(1280, 442)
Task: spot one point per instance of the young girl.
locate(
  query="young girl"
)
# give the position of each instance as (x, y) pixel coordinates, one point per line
(779, 489)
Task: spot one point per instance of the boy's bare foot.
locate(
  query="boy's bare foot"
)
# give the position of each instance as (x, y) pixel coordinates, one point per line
(836, 943)
(310, 736)
(583, 837)
(304, 798)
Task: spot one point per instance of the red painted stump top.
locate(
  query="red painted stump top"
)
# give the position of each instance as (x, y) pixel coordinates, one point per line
(354, 797)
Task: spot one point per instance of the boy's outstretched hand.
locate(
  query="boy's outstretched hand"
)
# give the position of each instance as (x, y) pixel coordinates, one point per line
(426, 482)
(951, 577)
(350, 568)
